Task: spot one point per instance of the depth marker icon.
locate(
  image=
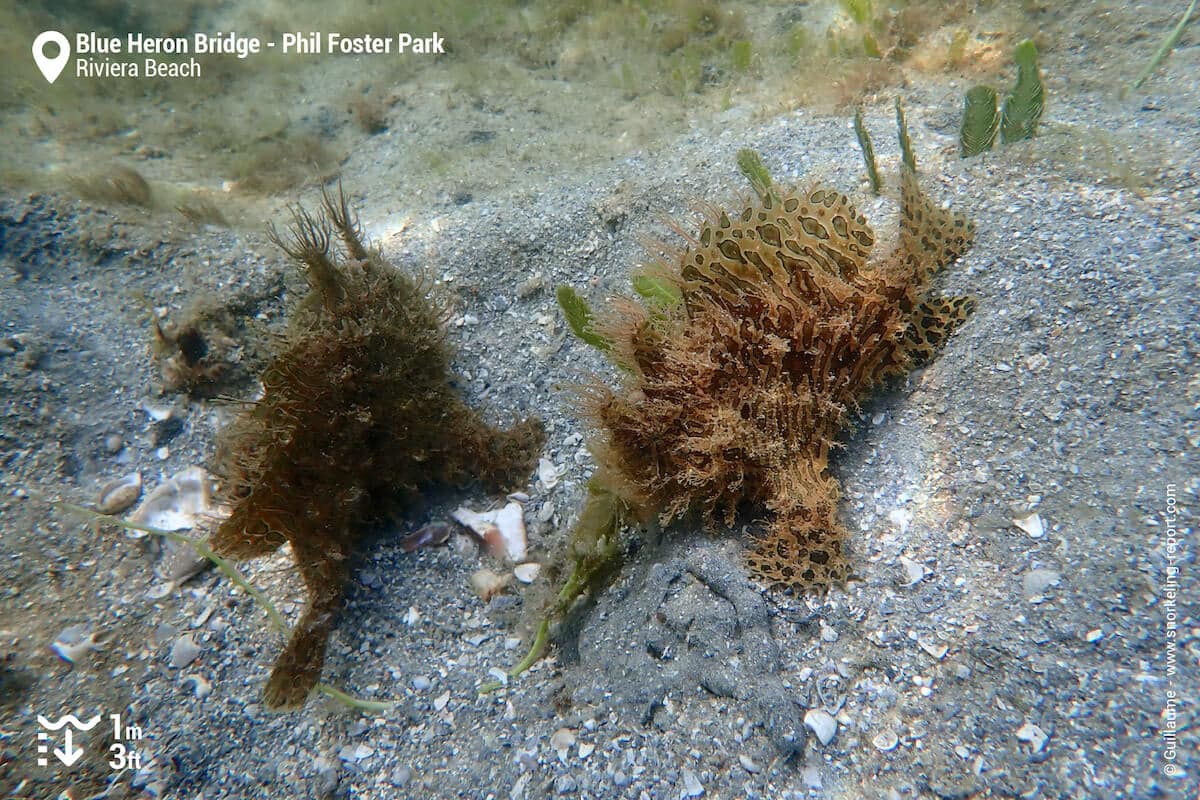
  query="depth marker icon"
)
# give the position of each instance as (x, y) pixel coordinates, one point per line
(69, 753)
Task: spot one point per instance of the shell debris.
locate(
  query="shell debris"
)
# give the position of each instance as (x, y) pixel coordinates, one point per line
(178, 503)
(487, 584)
(933, 647)
(1033, 735)
(74, 643)
(502, 530)
(1031, 524)
(885, 740)
(528, 572)
(548, 473)
(118, 495)
(822, 723)
(562, 740)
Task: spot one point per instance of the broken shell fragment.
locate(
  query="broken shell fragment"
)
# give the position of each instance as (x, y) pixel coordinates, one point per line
(885, 741)
(184, 651)
(548, 473)
(158, 413)
(74, 643)
(933, 647)
(527, 573)
(502, 531)
(1031, 524)
(116, 496)
(177, 503)
(562, 740)
(822, 723)
(487, 584)
(914, 571)
(432, 534)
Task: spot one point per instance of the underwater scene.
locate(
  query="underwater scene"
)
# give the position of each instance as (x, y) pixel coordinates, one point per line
(650, 399)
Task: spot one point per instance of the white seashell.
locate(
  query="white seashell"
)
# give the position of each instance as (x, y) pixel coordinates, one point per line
(502, 530)
(932, 646)
(487, 584)
(160, 590)
(116, 496)
(1031, 524)
(178, 503)
(74, 643)
(548, 473)
(158, 413)
(511, 522)
(913, 570)
(562, 740)
(184, 651)
(885, 741)
(527, 573)
(822, 724)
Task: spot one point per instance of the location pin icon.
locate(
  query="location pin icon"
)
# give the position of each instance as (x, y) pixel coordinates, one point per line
(51, 67)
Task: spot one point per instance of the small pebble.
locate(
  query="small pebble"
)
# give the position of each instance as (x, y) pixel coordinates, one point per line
(327, 777)
(748, 764)
(201, 686)
(914, 571)
(163, 633)
(1034, 735)
(74, 643)
(441, 700)
(933, 647)
(1036, 581)
(184, 651)
(885, 740)
(356, 753)
(691, 785)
